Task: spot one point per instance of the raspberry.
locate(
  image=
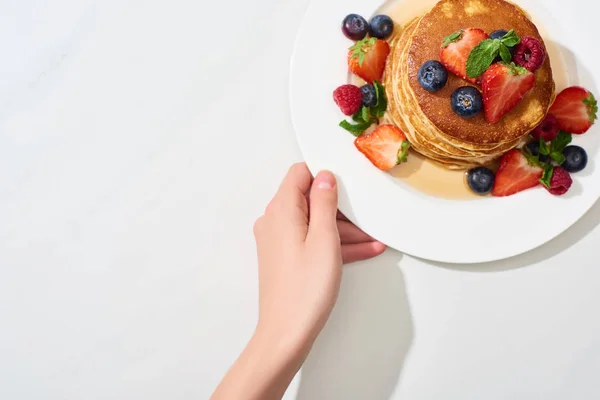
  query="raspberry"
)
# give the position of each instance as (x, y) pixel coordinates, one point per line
(530, 53)
(348, 98)
(561, 181)
(547, 130)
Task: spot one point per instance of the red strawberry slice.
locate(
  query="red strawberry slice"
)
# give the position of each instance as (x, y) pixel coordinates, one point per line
(575, 109)
(504, 86)
(456, 49)
(367, 58)
(515, 175)
(385, 147)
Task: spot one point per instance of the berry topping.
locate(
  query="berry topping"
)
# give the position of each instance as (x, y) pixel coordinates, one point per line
(432, 76)
(504, 86)
(385, 147)
(486, 52)
(557, 180)
(367, 58)
(575, 108)
(547, 130)
(515, 174)
(456, 49)
(530, 53)
(348, 98)
(480, 180)
(500, 34)
(381, 26)
(576, 159)
(355, 27)
(534, 149)
(466, 101)
(369, 95)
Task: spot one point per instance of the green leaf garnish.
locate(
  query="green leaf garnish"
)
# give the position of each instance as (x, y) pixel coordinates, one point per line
(357, 129)
(531, 159)
(482, 56)
(547, 175)
(592, 107)
(357, 117)
(544, 147)
(562, 140)
(510, 39)
(378, 110)
(505, 53)
(403, 152)
(366, 113)
(360, 49)
(558, 157)
(455, 37)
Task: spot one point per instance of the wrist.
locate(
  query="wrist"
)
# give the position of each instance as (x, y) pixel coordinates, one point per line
(285, 347)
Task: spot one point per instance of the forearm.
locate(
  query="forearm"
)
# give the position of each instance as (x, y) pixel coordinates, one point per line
(264, 370)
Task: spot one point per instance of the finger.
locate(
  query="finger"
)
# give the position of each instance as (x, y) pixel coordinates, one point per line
(351, 234)
(290, 198)
(361, 251)
(323, 206)
(341, 216)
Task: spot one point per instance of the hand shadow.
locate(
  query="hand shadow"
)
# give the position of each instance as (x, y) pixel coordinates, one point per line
(361, 351)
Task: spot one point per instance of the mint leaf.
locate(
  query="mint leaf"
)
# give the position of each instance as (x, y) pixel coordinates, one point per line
(558, 157)
(357, 129)
(365, 113)
(531, 159)
(544, 148)
(511, 39)
(378, 110)
(357, 117)
(455, 37)
(592, 107)
(505, 53)
(547, 175)
(403, 152)
(482, 56)
(562, 140)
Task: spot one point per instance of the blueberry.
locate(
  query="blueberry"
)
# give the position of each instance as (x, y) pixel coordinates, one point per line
(432, 76)
(369, 96)
(355, 27)
(382, 26)
(480, 180)
(467, 101)
(534, 148)
(576, 159)
(499, 34)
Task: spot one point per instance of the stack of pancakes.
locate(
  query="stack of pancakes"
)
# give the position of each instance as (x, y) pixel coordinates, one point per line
(433, 129)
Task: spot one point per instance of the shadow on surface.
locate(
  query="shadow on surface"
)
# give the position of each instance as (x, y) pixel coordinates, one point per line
(361, 351)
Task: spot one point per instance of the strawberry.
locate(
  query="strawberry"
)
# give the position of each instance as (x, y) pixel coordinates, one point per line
(367, 58)
(575, 109)
(456, 49)
(504, 86)
(385, 147)
(515, 174)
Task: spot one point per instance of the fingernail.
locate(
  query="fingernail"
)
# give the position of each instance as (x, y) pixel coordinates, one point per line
(325, 180)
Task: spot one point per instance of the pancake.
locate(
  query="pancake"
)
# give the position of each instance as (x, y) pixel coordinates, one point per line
(427, 118)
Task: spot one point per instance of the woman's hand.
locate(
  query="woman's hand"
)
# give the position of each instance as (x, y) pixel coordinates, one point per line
(302, 242)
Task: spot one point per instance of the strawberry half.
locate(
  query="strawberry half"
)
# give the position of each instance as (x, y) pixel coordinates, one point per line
(575, 109)
(385, 147)
(367, 58)
(504, 86)
(456, 49)
(515, 174)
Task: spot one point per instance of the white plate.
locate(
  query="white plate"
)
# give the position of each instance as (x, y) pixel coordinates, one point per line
(453, 231)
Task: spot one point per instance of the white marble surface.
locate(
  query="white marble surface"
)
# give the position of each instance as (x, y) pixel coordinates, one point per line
(138, 142)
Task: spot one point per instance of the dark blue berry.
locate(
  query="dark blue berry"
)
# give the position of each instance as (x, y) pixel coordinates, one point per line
(369, 96)
(433, 76)
(382, 26)
(480, 180)
(499, 34)
(576, 159)
(355, 27)
(467, 101)
(534, 148)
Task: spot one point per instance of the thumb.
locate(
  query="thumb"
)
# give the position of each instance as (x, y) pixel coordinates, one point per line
(323, 205)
